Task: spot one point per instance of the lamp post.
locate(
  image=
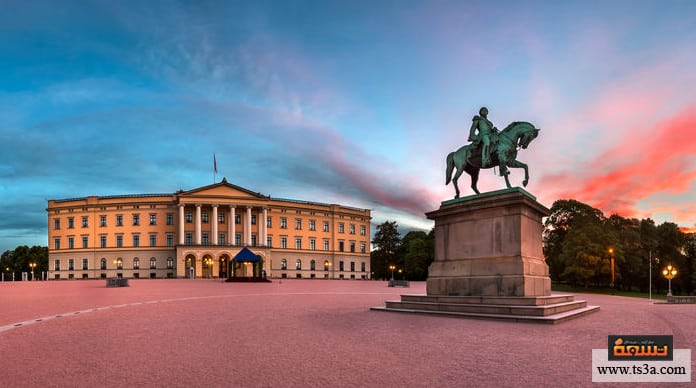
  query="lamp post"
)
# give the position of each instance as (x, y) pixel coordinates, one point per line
(401, 273)
(669, 273)
(32, 266)
(611, 284)
(392, 267)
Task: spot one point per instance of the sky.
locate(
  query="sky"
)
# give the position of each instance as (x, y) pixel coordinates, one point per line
(350, 102)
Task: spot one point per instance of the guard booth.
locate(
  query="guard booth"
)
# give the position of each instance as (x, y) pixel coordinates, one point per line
(247, 267)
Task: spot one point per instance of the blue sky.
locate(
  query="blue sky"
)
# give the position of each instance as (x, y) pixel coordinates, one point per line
(354, 102)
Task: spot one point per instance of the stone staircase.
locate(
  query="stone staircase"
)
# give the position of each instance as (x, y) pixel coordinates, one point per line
(539, 309)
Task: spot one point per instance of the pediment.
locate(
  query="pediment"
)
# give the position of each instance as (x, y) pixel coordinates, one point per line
(220, 190)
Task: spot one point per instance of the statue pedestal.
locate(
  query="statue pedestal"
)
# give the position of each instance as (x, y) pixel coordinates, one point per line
(489, 263)
(489, 245)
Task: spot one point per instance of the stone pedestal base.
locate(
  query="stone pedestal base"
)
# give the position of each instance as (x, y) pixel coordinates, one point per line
(489, 245)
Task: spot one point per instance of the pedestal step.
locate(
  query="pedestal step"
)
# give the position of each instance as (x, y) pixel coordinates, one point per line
(548, 309)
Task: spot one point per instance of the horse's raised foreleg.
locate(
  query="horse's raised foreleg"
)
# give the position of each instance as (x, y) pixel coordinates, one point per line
(518, 164)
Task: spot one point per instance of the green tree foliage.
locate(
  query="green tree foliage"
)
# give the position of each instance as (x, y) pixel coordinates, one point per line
(577, 238)
(17, 261)
(386, 245)
(418, 251)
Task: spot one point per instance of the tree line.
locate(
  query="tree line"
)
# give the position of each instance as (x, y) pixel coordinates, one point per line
(409, 256)
(579, 242)
(17, 261)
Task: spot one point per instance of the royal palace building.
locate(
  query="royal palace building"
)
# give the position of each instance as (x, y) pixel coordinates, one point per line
(202, 233)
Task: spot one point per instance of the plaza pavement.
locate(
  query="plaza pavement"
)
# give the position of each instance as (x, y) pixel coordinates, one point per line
(295, 333)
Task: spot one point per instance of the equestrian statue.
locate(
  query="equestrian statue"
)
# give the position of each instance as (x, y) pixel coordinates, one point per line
(490, 148)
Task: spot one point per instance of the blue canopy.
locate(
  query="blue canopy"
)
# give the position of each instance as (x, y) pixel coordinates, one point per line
(246, 256)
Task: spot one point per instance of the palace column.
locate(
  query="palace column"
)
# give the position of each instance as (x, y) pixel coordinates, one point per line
(214, 225)
(197, 230)
(264, 227)
(231, 226)
(182, 221)
(247, 226)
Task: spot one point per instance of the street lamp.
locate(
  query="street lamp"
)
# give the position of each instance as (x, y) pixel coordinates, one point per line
(32, 266)
(401, 274)
(209, 266)
(611, 285)
(392, 267)
(669, 273)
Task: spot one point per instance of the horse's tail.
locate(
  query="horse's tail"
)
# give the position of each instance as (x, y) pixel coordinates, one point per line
(450, 167)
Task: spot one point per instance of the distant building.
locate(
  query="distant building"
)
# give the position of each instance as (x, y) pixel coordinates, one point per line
(198, 233)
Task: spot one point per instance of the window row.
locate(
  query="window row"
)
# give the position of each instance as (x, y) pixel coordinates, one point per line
(327, 265)
(135, 241)
(283, 222)
(118, 220)
(117, 264)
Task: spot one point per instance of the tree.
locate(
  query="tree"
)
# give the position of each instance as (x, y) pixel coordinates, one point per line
(386, 248)
(418, 253)
(17, 260)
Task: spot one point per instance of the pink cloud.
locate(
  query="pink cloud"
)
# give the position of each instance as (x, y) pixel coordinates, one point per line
(638, 168)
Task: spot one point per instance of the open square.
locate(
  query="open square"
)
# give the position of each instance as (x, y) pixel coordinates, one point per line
(295, 333)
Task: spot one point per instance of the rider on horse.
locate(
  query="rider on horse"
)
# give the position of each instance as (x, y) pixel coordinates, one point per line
(485, 131)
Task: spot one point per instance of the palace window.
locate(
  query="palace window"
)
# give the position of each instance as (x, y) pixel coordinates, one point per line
(340, 246)
(170, 218)
(352, 228)
(312, 244)
(362, 248)
(237, 239)
(253, 240)
(237, 219)
(352, 246)
(153, 219)
(326, 226)
(283, 242)
(189, 217)
(283, 223)
(253, 219)
(71, 222)
(153, 263)
(189, 238)
(298, 264)
(362, 230)
(119, 220)
(326, 244)
(85, 264)
(56, 265)
(170, 239)
(221, 239)
(340, 265)
(102, 221)
(170, 263)
(136, 240)
(341, 227)
(352, 266)
(71, 265)
(102, 241)
(136, 219)
(103, 263)
(283, 264)
(119, 263)
(205, 237)
(85, 221)
(298, 223)
(71, 242)
(221, 218)
(56, 243)
(313, 265)
(269, 222)
(56, 223)
(326, 265)
(298, 242)
(362, 266)
(312, 225)
(204, 217)
(136, 263)
(153, 240)
(85, 242)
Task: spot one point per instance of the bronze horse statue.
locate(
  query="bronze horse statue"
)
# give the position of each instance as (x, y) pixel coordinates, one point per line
(503, 154)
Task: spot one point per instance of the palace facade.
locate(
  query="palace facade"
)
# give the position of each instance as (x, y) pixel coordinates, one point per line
(198, 233)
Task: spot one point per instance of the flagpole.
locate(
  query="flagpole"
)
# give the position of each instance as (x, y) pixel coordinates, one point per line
(214, 168)
(650, 276)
